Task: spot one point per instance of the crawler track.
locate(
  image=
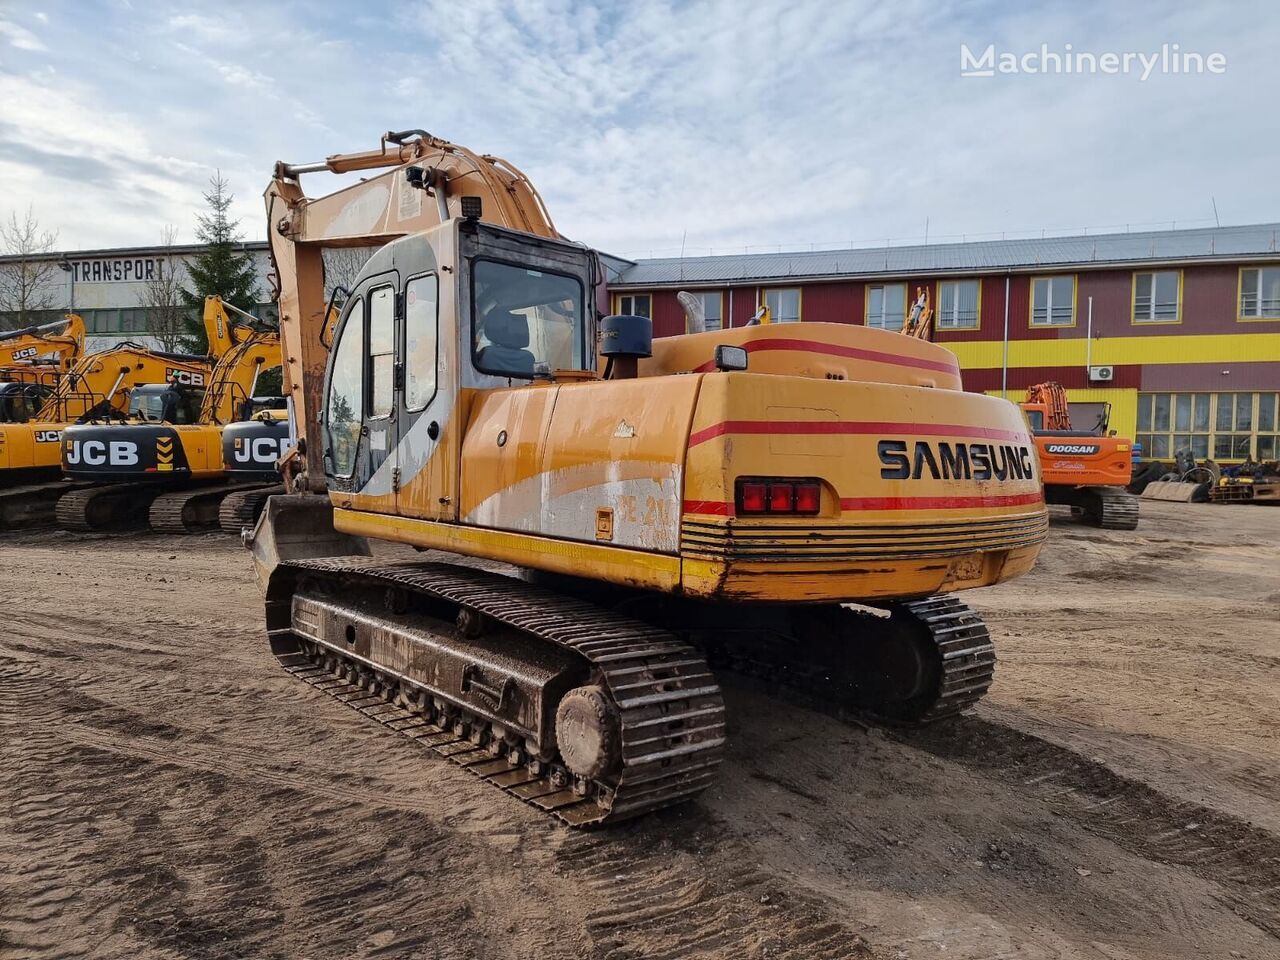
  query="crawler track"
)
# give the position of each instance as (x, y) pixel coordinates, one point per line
(1116, 510)
(669, 708)
(200, 508)
(243, 507)
(939, 649)
(33, 504)
(113, 506)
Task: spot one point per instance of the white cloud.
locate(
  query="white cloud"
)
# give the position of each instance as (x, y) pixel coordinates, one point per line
(650, 124)
(19, 36)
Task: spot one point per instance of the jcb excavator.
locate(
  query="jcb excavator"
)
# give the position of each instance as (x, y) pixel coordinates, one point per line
(714, 498)
(97, 383)
(164, 460)
(53, 346)
(1086, 470)
(32, 361)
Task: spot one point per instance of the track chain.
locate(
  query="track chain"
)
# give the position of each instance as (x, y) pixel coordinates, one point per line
(1117, 510)
(242, 508)
(968, 654)
(670, 709)
(103, 506)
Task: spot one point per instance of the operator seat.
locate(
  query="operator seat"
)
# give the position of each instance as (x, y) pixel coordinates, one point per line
(508, 335)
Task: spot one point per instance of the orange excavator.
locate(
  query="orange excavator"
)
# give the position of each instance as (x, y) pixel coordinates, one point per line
(711, 500)
(1086, 470)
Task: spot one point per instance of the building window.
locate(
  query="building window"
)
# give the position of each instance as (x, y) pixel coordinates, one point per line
(1157, 297)
(887, 306)
(1260, 293)
(1224, 426)
(712, 309)
(958, 304)
(784, 304)
(1053, 301)
(635, 305)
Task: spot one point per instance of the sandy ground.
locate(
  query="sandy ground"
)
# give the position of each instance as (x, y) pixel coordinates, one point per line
(167, 791)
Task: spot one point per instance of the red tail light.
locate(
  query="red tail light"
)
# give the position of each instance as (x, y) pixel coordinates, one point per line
(752, 496)
(778, 496)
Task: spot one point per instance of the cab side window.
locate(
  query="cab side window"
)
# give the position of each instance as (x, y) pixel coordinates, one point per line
(382, 360)
(420, 342)
(344, 409)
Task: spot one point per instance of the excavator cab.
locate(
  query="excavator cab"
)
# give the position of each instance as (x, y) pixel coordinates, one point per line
(415, 343)
(165, 403)
(19, 402)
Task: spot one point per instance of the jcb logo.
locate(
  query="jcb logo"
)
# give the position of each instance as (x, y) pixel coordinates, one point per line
(260, 449)
(188, 378)
(24, 353)
(95, 453)
(48, 436)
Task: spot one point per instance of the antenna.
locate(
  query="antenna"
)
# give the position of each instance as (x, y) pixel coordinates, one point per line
(1216, 221)
(683, 237)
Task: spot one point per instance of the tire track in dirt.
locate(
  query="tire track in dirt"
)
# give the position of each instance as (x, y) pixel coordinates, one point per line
(1243, 859)
(204, 870)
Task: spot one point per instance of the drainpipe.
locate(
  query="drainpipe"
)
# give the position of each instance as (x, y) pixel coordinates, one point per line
(729, 324)
(1004, 366)
(1088, 347)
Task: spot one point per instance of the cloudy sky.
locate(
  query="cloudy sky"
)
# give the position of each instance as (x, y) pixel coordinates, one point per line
(649, 127)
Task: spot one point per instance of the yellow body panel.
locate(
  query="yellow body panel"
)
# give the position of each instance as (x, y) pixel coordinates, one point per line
(633, 481)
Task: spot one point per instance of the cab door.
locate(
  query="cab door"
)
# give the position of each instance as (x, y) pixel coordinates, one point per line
(360, 398)
(427, 441)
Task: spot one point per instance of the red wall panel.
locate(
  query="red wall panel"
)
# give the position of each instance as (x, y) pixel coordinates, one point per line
(1209, 301)
(831, 303)
(1073, 378)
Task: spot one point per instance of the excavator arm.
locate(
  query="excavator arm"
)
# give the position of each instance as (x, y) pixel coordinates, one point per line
(427, 182)
(64, 337)
(1053, 399)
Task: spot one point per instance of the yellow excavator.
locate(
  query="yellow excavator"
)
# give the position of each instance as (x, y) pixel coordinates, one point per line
(707, 500)
(30, 450)
(162, 461)
(32, 360)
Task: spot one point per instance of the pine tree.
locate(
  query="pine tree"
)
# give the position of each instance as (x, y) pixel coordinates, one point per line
(220, 270)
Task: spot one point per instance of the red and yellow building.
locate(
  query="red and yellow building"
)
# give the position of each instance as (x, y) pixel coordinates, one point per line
(1179, 330)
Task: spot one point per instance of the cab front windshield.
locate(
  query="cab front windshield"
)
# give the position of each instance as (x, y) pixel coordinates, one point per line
(170, 405)
(526, 322)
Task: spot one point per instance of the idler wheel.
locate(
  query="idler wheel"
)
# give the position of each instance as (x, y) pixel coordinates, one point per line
(587, 732)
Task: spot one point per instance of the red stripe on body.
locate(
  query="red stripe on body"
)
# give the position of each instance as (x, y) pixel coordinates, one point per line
(717, 507)
(837, 350)
(720, 509)
(938, 503)
(833, 427)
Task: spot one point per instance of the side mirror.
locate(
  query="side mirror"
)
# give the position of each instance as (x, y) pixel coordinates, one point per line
(730, 358)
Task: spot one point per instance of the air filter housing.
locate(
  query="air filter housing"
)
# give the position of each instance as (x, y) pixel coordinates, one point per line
(626, 335)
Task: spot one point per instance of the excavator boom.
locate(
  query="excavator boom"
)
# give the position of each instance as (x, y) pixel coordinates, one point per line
(59, 342)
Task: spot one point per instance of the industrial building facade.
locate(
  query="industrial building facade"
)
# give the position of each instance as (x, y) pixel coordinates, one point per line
(1178, 331)
(109, 288)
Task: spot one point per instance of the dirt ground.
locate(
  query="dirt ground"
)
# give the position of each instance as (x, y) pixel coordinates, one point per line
(166, 791)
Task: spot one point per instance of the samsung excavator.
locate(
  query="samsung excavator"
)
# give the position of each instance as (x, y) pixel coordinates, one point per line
(707, 500)
(30, 472)
(162, 462)
(32, 361)
(1085, 470)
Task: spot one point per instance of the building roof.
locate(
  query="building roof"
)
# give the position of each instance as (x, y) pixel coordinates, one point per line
(1253, 241)
(177, 250)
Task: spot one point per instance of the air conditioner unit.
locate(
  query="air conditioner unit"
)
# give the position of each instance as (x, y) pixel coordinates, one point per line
(1102, 373)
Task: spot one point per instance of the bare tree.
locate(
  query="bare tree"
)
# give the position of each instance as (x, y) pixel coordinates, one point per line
(26, 281)
(162, 297)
